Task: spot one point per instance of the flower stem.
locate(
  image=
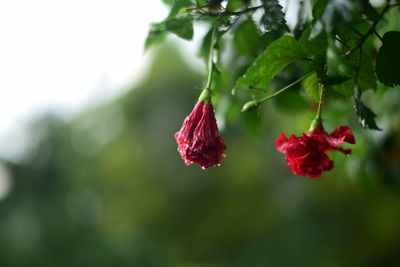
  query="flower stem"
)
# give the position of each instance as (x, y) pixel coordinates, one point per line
(317, 122)
(253, 104)
(321, 100)
(211, 59)
(206, 93)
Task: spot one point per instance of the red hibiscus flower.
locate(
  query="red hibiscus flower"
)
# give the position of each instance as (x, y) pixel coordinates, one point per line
(306, 154)
(199, 140)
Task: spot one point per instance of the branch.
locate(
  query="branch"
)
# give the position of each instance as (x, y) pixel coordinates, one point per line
(371, 30)
(232, 13)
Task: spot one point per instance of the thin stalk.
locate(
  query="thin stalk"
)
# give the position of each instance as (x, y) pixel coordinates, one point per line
(378, 35)
(321, 100)
(255, 103)
(211, 59)
(285, 88)
(234, 13)
(317, 121)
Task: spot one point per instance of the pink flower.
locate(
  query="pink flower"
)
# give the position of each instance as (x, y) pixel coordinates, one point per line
(306, 155)
(199, 140)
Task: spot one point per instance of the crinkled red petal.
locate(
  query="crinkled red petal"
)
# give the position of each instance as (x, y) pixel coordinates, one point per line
(199, 140)
(306, 155)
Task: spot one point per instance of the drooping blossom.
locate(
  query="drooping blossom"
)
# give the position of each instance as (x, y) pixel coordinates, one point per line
(306, 154)
(198, 139)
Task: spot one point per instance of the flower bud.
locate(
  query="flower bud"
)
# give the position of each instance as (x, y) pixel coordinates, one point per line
(199, 140)
(249, 106)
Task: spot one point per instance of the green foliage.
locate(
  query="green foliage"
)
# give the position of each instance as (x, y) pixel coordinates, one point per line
(339, 44)
(277, 56)
(273, 17)
(178, 22)
(234, 5)
(336, 64)
(336, 14)
(388, 59)
(182, 27)
(369, 11)
(365, 115)
(366, 74)
(313, 45)
(364, 77)
(247, 39)
(319, 9)
(312, 87)
(179, 7)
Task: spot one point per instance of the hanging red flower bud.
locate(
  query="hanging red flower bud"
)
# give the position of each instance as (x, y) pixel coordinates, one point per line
(199, 140)
(306, 155)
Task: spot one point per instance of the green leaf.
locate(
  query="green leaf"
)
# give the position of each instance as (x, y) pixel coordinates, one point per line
(319, 9)
(168, 2)
(178, 6)
(336, 64)
(366, 116)
(337, 13)
(366, 75)
(246, 38)
(277, 56)
(313, 45)
(234, 5)
(345, 88)
(312, 87)
(388, 59)
(369, 11)
(181, 26)
(273, 17)
(156, 35)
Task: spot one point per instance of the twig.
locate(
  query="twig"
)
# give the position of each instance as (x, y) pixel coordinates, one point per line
(234, 13)
(377, 34)
(342, 42)
(255, 103)
(371, 29)
(354, 30)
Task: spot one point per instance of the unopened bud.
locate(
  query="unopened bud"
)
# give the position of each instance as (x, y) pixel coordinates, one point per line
(249, 106)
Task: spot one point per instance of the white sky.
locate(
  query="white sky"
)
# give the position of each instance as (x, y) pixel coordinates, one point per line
(61, 55)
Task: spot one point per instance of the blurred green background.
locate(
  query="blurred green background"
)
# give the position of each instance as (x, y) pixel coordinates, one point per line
(109, 189)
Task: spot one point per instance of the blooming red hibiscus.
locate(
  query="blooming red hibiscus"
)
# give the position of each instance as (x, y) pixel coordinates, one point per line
(199, 140)
(306, 154)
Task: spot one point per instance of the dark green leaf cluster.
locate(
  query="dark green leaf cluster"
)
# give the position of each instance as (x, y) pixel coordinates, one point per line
(388, 59)
(177, 22)
(273, 17)
(344, 47)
